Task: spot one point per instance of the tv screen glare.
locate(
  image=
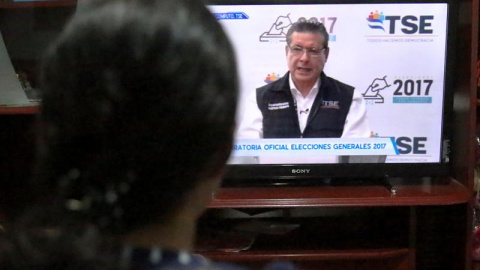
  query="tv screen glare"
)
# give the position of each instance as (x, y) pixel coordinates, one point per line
(395, 56)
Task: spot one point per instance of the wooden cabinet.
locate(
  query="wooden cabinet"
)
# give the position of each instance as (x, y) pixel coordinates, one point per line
(425, 225)
(422, 226)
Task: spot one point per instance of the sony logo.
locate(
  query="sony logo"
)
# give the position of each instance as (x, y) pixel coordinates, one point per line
(300, 171)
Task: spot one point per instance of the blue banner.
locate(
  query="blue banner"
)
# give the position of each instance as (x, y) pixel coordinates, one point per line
(231, 16)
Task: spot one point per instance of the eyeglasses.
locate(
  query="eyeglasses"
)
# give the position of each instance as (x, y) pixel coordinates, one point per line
(312, 52)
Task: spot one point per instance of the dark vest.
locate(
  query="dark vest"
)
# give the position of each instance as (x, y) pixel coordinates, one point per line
(326, 117)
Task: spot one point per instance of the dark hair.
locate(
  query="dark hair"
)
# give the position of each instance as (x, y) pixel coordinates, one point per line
(138, 106)
(308, 26)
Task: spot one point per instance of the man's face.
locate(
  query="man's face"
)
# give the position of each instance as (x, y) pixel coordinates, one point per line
(305, 68)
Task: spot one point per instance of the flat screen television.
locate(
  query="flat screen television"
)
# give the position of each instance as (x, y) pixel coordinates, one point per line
(396, 54)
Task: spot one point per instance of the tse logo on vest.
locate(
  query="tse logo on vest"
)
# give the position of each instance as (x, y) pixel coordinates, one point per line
(408, 24)
(330, 104)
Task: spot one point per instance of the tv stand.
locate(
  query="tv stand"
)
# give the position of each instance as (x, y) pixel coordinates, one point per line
(410, 192)
(342, 227)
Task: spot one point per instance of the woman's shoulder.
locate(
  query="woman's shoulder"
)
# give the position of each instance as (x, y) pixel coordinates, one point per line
(280, 265)
(158, 259)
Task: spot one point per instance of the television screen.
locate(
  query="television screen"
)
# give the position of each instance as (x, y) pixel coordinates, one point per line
(382, 100)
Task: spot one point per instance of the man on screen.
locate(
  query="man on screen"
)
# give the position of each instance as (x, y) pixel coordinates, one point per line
(305, 102)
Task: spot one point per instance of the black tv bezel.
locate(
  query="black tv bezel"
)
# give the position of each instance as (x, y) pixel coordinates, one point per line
(286, 174)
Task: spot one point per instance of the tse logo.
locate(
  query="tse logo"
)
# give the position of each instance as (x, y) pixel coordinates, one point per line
(415, 145)
(410, 24)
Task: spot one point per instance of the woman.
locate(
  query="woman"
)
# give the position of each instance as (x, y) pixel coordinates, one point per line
(137, 118)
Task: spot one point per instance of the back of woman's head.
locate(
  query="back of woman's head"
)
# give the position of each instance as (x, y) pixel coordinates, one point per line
(138, 105)
(139, 99)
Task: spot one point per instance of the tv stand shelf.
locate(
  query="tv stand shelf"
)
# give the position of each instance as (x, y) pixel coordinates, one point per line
(340, 239)
(324, 259)
(310, 255)
(344, 226)
(409, 193)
